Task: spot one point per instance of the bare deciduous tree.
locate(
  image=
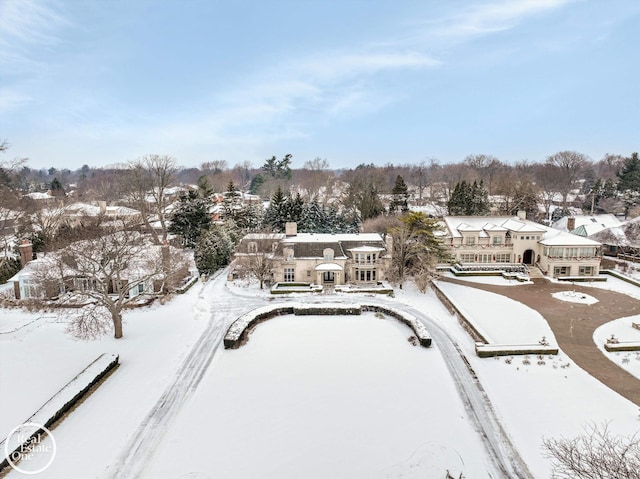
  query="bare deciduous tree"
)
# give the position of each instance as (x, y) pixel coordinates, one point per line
(259, 265)
(597, 454)
(568, 166)
(152, 175)
(104, 274)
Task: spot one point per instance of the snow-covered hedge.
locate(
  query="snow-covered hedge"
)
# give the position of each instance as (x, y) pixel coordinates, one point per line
(286, 288)
(622, 346)
(418, 328)
(63, 401)
(492, 350)
(238, 331)
(326, 309)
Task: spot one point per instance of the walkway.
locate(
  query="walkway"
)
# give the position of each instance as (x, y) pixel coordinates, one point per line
(573, 325)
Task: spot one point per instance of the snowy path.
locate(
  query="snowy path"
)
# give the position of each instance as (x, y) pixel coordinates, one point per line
(136, 455)
(504, 456)
(139, 449)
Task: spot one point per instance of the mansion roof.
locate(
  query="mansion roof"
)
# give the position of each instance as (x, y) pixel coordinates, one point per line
(485, 226)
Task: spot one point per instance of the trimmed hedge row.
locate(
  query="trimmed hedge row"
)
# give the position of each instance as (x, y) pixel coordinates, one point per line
(238, 332)
(63, 400)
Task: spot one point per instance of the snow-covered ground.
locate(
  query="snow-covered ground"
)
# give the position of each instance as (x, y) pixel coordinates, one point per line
(623, 331)
(324, 396)
(501, 320)
(575, 297)
(344, 392)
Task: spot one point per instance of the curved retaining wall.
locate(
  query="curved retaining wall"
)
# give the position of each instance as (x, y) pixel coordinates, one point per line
(238, 332)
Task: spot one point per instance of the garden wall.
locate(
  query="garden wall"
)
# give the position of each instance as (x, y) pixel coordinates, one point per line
(62, 402)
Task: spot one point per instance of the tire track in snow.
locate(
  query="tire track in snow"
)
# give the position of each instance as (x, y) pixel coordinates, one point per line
(141, 446)
(504, 457)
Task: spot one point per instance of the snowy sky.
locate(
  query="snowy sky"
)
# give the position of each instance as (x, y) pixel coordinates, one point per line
(102, 82)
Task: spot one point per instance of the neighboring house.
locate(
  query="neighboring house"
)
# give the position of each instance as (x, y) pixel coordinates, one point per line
(586, 225)
(73, 214)
(503, 241)
(139, 277)
(325, 259)
(620, 240)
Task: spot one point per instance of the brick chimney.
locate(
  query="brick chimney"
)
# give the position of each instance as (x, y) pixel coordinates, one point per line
(26, 252)
(571, 223)
(291, 228)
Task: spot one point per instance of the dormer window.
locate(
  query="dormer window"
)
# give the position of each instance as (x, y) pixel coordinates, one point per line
(252, 247)
(288, 254)
(328, 254)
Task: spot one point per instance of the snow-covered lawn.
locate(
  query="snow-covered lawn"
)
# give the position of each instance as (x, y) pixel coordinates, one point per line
(343, 396)
(36, 363)
(622, 330)
(501, 320)
(323, 396)
(535, 401)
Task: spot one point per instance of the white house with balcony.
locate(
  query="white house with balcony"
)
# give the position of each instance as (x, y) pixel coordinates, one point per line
(502, 242)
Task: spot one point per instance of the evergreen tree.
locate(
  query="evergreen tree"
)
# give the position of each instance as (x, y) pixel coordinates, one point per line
(295, 208)
(479, 200)
(459, 202)
(56, 188)
(190, 218)
(277, 213)
(629, 175)
(313, 218)
(256, 184)
(469, 200)
(400, 196)
(416, 249)
(214, 249)
(231, 200)
(204, 186)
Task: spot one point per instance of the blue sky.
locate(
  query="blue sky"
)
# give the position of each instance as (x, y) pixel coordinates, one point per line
(352, 81)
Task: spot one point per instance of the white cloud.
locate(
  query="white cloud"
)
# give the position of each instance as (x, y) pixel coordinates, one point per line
(493, 17)
(29, 21)
(11, 99)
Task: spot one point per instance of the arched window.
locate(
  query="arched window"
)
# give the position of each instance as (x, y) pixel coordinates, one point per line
(328, 254)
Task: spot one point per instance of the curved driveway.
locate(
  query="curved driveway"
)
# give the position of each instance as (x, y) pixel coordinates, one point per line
(573, 325)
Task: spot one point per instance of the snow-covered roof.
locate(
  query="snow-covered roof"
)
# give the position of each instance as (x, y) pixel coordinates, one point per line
(40, 196)
(627, 234)
(328, 267)
(587, 225)
(560, 238)
(332, 238)
(456, 225)
(365, 249)
(264, 236)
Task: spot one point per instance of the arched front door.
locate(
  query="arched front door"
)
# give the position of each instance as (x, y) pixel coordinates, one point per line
(528, 257)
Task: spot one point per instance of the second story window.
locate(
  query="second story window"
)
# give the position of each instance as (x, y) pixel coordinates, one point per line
(497, 240)
(328, 254)
(470, 240)
(252, 247)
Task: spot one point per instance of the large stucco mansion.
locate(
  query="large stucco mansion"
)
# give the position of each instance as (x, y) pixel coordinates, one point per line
(319, 258)
(496, 240)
